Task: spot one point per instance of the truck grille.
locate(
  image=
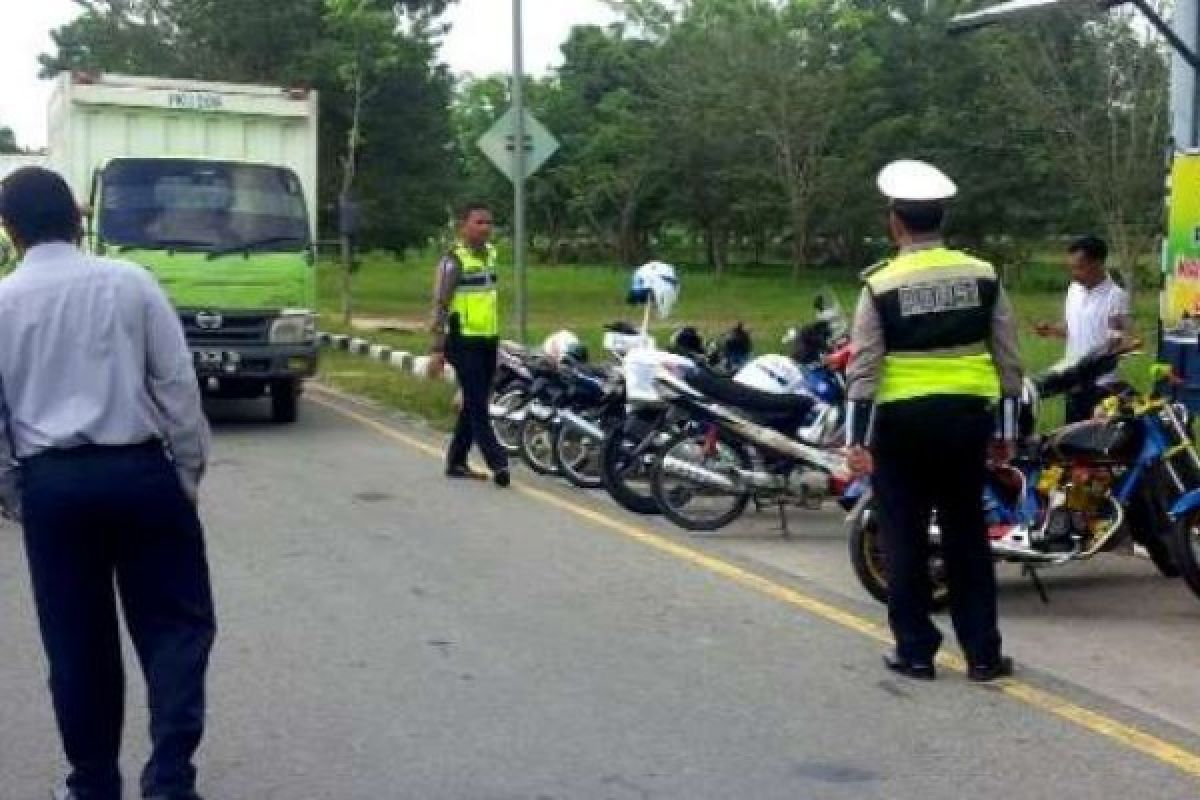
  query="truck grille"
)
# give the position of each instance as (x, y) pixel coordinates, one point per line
(210, 328)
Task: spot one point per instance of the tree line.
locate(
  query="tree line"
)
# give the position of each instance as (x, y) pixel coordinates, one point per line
(722, 132)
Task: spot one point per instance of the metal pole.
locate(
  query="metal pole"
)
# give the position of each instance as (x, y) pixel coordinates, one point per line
(1186, 25)
(519, 161)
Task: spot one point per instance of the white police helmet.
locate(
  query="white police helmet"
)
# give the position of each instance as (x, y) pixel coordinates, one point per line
(915, 182)
(655, 282)
(561, 344)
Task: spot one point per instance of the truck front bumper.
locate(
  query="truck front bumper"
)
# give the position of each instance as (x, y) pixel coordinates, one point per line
(263, 363)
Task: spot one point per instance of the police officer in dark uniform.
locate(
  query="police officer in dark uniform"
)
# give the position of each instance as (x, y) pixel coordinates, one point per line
(933, 388)
(466, 328)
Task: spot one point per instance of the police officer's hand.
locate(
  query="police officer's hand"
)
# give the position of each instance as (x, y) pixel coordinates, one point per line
(1000, 452)
(859, 461)
(437, 365)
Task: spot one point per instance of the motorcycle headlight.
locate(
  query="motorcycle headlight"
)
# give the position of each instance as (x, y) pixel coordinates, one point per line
(293, 328)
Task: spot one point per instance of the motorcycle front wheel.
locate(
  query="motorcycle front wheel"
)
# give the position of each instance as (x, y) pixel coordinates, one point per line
(577, 456)
(625, 463)
(692, 502)
(870, 561)
(508, 432)
(537, 445)
(1186, 541)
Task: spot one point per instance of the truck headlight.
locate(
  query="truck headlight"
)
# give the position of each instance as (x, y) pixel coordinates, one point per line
(293, 328)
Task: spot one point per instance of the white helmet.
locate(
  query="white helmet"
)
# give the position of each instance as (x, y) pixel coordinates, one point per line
(655, 281)
(560, 345)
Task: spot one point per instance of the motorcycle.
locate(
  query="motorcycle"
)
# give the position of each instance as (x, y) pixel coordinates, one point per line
(631, 446)
(511, 394)
(740, 444)
(1070, 494)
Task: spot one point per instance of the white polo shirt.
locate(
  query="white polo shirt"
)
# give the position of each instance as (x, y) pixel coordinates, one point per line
(1090, 314)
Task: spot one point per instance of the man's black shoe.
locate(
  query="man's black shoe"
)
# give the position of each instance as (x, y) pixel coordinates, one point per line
(983, 673)
(909, 669)
(503, 479)
(465, 473)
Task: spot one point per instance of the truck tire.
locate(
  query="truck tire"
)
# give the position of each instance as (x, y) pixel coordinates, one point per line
(285, 402)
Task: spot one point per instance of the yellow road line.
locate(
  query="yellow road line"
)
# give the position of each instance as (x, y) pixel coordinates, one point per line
(1126, 735)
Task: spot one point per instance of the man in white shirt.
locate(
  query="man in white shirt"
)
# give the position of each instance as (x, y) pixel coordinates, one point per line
(102, 446)
(1097, 309)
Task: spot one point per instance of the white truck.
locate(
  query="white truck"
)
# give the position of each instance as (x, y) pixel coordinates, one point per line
(213, 187)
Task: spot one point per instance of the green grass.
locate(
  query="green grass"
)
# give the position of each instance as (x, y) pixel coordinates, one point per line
(430, 400)
(583, 299)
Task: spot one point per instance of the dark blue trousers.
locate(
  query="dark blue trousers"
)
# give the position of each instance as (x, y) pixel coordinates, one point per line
(109, 524)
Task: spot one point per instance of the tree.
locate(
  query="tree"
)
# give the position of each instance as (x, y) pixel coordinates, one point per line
(1098, 86)
(8, 141)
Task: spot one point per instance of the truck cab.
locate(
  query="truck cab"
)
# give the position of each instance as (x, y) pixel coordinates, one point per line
(230, 243)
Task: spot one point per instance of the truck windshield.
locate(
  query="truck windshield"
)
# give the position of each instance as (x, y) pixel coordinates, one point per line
(214, 207)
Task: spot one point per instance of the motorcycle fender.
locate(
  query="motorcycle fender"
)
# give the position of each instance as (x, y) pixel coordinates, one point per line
(1189, 502)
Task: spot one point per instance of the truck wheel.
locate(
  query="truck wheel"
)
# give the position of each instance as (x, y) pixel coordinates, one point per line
(285, 401)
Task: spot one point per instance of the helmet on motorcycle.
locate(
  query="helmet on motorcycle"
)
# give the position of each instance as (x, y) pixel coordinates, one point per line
(686, 341)
(560, 345)
(736, 347)
(655, 282)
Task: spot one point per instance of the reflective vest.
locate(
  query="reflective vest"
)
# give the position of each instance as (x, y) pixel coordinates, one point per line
(476, 298)
(936, 309)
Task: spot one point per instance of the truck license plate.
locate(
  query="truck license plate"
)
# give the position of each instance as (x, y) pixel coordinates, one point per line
(216, 360)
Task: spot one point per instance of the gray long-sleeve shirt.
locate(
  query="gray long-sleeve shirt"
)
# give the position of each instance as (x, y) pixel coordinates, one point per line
(91, 352)
(866, 367)
(445, 284)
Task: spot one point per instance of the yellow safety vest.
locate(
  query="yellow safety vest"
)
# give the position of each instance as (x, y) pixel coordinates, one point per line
(476, 300)
(936, 307)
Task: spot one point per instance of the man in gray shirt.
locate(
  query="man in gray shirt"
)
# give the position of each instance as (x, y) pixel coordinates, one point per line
(102, 446)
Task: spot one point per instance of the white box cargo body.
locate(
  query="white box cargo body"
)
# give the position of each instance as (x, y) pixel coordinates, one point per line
(11, 162)
(97, 117)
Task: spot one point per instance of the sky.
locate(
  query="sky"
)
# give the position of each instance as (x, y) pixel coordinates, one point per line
(479, 42)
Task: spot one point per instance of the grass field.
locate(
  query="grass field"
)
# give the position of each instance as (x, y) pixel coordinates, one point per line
(583, 299)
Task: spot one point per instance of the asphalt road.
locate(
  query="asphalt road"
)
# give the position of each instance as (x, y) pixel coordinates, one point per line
(385, 634)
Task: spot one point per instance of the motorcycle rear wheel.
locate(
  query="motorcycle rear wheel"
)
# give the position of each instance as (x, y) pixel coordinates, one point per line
(870, 566)
(677, 496)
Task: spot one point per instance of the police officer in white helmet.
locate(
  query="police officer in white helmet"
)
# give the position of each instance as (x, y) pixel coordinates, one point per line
(935, 354)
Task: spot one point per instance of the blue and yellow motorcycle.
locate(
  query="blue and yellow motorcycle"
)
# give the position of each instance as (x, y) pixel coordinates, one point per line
(1130, 472)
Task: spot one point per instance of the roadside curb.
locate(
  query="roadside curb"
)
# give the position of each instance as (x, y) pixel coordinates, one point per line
(399, 360)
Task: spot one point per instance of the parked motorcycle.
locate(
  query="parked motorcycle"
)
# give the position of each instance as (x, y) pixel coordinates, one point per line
(631, 447)
(1070, 494)
(741, 443)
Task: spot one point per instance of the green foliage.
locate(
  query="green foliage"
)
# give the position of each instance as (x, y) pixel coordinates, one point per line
(727, 131)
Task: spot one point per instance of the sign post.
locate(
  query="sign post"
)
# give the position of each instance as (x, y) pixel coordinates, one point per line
(518, 145)
(519, 159)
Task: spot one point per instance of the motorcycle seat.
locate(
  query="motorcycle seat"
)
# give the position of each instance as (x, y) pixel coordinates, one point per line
(728, 391)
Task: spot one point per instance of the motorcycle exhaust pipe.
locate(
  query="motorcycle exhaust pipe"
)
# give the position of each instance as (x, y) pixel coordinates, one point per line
(1025, 554)
(509, 414)
(585, 426)
(706, 477)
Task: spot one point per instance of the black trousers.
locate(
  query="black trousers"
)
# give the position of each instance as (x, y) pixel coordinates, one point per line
(474, 362)
(930, 454)
(104, 524)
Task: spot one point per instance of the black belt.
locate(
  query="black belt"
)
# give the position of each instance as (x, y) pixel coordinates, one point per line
(87, 450)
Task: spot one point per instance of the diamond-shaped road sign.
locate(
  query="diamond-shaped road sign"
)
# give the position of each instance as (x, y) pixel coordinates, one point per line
(497, 144)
